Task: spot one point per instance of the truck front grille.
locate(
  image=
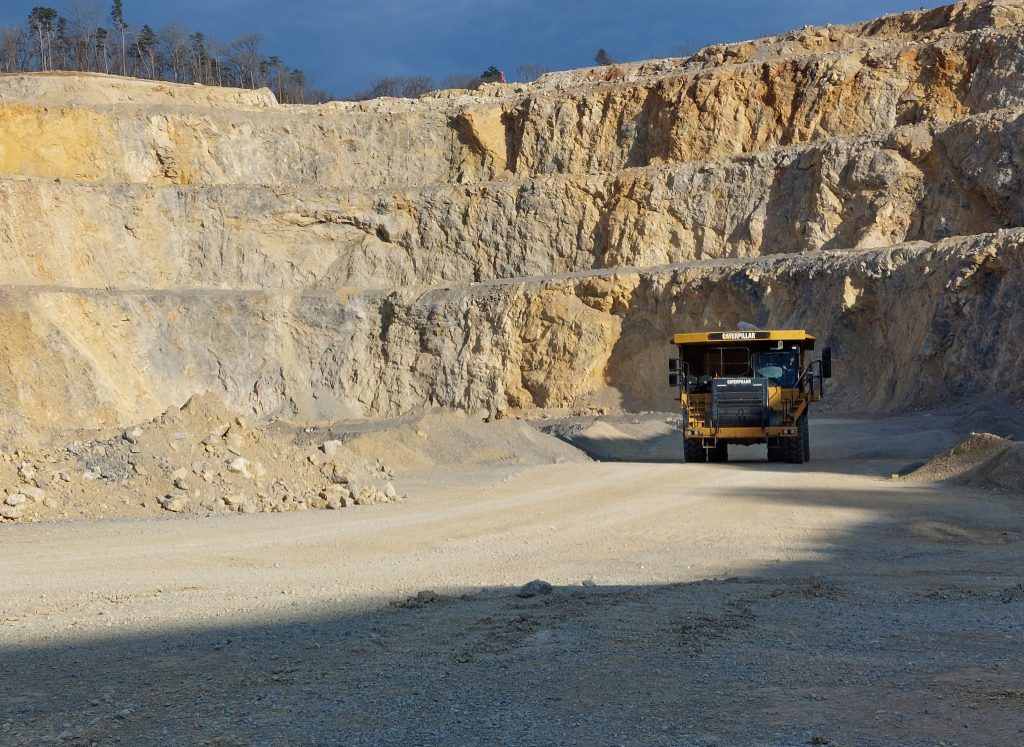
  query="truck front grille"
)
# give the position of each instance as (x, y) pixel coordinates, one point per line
(739, 403)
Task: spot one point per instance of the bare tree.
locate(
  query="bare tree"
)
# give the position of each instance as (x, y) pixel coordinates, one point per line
(218, 54)
(529, 72)
(146, 45)
(459, 80)
(273, 70)
(100, 37)
(296, 92)
(244, 55)
(174, 51)
(199, 58)
(42, 21)
(318, 96)
(415, 86)
(59, 56)
(384, 87)
(11, 43)
(408, 87)
(84, 17)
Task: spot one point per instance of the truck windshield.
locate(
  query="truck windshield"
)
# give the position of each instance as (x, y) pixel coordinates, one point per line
(779, 366)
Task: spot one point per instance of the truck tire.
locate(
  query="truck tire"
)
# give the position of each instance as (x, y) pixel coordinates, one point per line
(693, 450)
(720, 453)
(774, 449)
(793, 447)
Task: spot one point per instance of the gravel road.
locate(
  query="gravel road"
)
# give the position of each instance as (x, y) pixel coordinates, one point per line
(723, 604)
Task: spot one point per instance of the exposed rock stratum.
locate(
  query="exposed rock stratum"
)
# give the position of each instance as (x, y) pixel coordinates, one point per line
(521, 246)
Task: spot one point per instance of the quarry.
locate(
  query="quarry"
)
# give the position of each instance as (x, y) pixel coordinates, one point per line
(298, 400)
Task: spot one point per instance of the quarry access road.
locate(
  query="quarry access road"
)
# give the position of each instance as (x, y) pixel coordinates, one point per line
(744, 603)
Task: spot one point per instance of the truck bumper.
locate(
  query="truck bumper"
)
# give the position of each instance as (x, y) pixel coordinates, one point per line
(749, 435)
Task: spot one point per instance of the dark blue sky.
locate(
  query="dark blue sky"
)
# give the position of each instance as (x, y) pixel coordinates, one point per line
(343, 45)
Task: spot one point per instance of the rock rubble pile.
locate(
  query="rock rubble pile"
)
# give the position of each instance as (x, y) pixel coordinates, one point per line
(982, 461)
(200, 459)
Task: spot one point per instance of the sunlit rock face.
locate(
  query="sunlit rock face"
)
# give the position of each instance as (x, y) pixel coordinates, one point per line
(520, 246)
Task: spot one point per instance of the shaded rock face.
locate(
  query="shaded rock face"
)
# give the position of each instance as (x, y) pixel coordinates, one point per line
(916, 323)
(520, 246)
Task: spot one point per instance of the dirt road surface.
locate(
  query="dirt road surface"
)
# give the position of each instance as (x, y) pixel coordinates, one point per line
(723, 604)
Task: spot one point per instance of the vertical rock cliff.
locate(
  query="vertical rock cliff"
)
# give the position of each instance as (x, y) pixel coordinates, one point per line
(520, 246)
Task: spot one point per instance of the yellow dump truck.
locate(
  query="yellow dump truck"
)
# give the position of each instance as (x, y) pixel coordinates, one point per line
(747, 387)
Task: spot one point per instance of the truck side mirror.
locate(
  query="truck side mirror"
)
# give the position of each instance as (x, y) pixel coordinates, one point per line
(673, 364)
(826, 363)
(673, 380)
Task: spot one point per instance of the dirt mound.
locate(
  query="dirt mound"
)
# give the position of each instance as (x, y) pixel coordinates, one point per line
(982, 461)
(199, 459)
(623, 438)
(455, 440)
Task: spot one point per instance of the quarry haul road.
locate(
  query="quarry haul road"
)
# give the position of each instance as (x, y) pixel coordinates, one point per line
(744, 603)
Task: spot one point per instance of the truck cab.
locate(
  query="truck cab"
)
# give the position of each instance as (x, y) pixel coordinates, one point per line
(747, 387)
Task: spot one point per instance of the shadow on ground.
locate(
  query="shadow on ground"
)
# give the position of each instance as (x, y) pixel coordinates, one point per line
(902, 631)
(864, 446)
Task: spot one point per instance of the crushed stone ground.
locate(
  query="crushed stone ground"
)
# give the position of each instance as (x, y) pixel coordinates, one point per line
(716, 604)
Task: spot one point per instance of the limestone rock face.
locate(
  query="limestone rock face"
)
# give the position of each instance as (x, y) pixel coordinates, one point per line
(917, 182)
(914, 323)
(520, 246)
